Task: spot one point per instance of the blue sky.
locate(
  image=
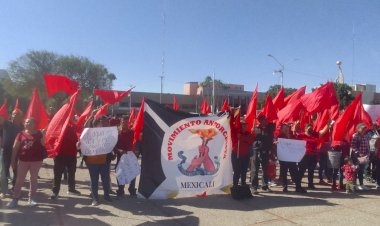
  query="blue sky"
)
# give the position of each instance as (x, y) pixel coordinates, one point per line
(231, 38)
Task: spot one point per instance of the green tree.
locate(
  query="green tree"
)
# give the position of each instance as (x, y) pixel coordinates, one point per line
(26, 72)
(273, 90)
(344, 94)
(218, 83)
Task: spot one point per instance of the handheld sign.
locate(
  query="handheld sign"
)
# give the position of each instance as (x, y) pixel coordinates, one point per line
(289, 150)
(128, 168)
(98, 141)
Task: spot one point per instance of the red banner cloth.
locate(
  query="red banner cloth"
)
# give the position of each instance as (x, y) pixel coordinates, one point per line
(58, 125)
(111, 96)
(37, 111)
(56, 83)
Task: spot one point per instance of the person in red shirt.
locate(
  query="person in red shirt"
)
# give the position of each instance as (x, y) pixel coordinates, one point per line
(66, 159)
(349, 172)
(27, 156)
(309, 161)
(125, 144)
(240, 154)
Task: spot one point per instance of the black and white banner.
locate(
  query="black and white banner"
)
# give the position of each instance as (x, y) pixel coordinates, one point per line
(184, 155)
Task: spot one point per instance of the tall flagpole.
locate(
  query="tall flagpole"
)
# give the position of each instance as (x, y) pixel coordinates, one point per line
(213, 93)
(163, 51)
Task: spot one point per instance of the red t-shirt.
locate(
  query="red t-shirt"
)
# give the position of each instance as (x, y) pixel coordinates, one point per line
(68, 146)
(311, 142)
(125, 140)
(30, 147)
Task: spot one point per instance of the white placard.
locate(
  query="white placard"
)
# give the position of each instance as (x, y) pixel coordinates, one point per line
(98, 141)
(128, 168)
(290, 150)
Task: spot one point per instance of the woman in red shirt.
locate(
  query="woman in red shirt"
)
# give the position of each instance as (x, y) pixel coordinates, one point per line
(27, 156)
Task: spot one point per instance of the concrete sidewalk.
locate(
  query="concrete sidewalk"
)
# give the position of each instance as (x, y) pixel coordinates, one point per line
(318, 207)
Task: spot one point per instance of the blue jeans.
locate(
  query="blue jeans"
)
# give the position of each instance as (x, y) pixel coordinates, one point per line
(103, 170)
(3, 176)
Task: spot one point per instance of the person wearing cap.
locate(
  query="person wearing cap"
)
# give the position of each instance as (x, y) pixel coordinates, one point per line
(262, 147)
(10, 130)
(359, 152)
(240, 154)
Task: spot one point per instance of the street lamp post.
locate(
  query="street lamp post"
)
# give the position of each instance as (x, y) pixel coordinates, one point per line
(281, 71)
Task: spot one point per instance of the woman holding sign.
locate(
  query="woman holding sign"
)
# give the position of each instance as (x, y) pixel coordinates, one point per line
(291, 166)
(99, 165)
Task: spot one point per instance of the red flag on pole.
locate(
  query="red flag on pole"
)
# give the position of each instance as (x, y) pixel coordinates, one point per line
(83, 117)
(289, 113)
(175, 104)
(225, 106)
(295, 96)
(132, 117)
(205, 108)
(37, 111)
(320, 99)
(334, 112)
(111, 96)
(139, 123)
(56, 83)
(102, 111)
(269, 110)
(278, 100)
(58, 125)
(3, 110)
(250, 117)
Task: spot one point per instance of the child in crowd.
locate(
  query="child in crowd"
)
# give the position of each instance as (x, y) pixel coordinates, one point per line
(349, 170)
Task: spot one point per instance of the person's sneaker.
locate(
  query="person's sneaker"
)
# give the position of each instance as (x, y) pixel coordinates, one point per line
(365, 188)
(333, 187)
(347, 192)
(108, 198)
(359, 188)
(12, 204)
(94, 202)
(254, 191)
(73, 192)
(54, 196)
(378, 187)
(301, 190)
(31, 202)
(311, 186)
(266, 189)
(285, 189)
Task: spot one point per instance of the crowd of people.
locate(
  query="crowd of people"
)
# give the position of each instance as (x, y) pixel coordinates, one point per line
(23, 151)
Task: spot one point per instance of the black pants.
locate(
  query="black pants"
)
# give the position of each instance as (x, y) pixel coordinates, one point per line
(309, 162)
(257, 160)
(7, 157)
(240, 167)
(121, 187)
(61, 162)
(294, 173)
(323, 157)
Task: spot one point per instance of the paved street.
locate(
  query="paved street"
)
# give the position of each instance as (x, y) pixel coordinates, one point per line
(319, 207)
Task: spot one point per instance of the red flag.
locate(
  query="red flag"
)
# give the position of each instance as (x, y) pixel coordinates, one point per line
(132, 117)
(58, 125)
(278, 100)
(250, 117)
(345, 125)
(139, 123)
(111, 96)
(56, 83)
(37, 111)
(320, 99)
(102, 111)
(378, 121)
(321, 120)
(269, 110)
(3, 110)
(237, 116)
(305, 119)
(83, 117)
(334, 112)
(289, 113)
(225, 106)
(205, 108)
(295, 96)
(175, 104)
